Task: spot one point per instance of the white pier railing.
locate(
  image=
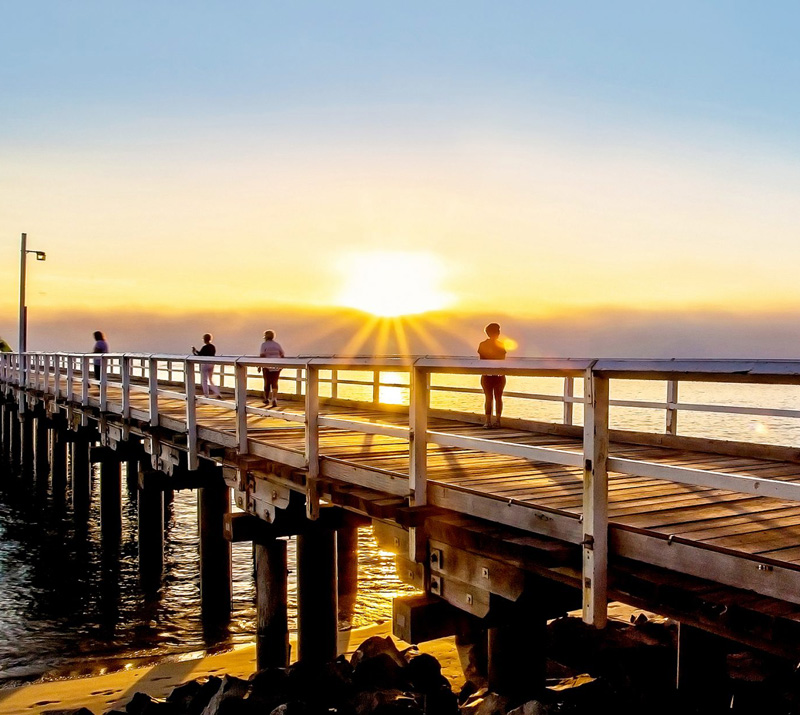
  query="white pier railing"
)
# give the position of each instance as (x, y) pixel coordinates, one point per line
(111, 383)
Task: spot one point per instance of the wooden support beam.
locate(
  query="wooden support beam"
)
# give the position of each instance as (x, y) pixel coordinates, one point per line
(28, 453)
(81, 479)
(42, 448)
(317, 607)
(15, 441)
(517, 655)
(110, 498)
(347, 571)
(272, 627)
(151, 528)
(418, 618)
(59, 443)
(7, 414)
(213, 503)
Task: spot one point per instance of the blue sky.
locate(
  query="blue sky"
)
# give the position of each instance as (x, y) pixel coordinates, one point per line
(730, 62)
(570, 155)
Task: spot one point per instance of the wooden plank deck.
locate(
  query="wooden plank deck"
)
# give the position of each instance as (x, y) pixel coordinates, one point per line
(715, 520)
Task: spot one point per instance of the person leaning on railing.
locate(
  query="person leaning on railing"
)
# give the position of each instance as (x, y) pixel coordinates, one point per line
(493, 385)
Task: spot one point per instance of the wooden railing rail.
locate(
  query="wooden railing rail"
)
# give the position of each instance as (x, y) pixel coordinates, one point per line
(171, 377)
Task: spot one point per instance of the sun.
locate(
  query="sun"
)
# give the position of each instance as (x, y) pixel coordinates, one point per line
(393, 283)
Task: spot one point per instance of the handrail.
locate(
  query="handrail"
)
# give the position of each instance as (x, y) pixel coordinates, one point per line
(45, 372)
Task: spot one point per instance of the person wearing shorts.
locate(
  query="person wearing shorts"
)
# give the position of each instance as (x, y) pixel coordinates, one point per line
(493, 385)
(271, 349)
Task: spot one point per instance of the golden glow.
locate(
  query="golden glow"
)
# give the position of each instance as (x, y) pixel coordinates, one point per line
(509, 344)
(393, 283)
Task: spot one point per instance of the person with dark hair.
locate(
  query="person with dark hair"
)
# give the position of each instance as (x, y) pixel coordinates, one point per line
(271, 349)
(100, 346)
(493, 385)
(207, 368)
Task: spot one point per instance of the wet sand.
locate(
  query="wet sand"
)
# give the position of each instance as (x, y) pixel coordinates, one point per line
(101, 693)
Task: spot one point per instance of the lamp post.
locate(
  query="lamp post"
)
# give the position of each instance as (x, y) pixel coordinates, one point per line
(23, 310)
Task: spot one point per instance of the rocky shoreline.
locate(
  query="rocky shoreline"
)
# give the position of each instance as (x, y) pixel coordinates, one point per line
(629, 668)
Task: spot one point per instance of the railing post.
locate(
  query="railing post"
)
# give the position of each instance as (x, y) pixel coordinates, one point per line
(152, 383)
(418, 436)
(125, 368)
(595, 500)
(103, 383)
(191, 414)
(70, 378)
(569, 393)
(85, 367)
(57, 375)
(672, 407)
(312, 440)
(376, 386)
(46, 371)
(298, 382)
(334, 383)
(418, 456)
(240, 391)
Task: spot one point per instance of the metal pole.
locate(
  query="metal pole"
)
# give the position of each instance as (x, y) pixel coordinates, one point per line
(23, 328)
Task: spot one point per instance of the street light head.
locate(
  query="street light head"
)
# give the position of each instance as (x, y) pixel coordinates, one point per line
(41, 256)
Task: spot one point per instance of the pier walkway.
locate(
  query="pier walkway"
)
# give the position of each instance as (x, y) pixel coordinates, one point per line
(701, 529)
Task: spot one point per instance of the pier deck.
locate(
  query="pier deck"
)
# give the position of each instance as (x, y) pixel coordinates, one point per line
(684, 508)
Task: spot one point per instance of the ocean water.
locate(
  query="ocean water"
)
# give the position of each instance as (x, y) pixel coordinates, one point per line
(73, 605)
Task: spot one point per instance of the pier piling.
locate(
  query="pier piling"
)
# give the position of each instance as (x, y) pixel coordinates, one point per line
(81, 475)
(15, 438)
(213, 502)
(27, 435)
(42, 448)
(5, 411)
(517, 651)
(110, 493)
(347, 570)
(272, 627)
(58, 458)
(151, 528)
(317, 596)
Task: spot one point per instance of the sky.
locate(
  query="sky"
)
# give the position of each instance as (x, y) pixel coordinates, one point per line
(601, 175)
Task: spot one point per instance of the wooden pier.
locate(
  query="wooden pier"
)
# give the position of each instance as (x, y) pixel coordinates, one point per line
(499, 529)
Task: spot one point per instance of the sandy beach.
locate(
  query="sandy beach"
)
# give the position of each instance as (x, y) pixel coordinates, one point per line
(101, 693)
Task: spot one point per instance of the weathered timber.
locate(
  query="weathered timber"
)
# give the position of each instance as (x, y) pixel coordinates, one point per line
(347, 571)
(272, 627)
(110, 495)
(317, 609)
(423, 617)
(213, 503)
(151, 528)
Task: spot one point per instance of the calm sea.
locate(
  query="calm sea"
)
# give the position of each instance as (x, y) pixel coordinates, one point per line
(69, 606)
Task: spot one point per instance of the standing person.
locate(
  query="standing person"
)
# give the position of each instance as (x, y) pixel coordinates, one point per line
(100, 346)
(271, 349)
(492, 349)
(207, 368)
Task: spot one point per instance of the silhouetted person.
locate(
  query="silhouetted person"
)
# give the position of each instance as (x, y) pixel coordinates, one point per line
(100, 346)
(207, 368)
(492, 349)
(271, 349)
